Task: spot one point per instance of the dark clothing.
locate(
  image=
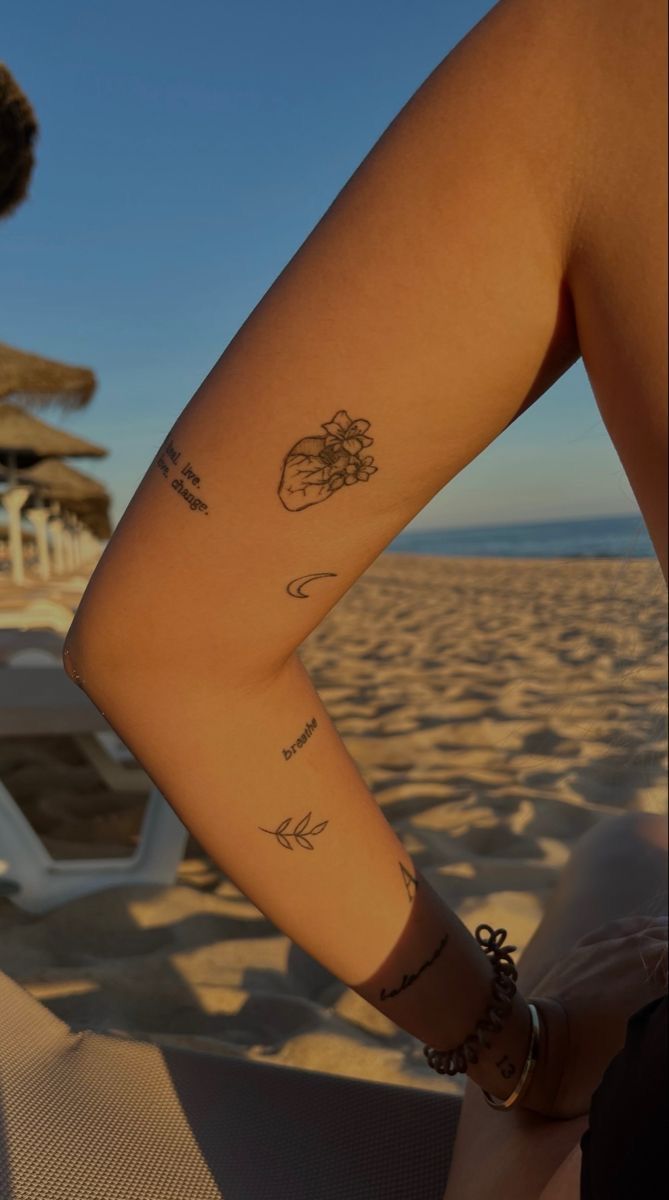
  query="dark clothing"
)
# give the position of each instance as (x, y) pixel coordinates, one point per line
(625, 1146)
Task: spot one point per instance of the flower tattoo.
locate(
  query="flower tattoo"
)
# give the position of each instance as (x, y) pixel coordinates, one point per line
(316, 467)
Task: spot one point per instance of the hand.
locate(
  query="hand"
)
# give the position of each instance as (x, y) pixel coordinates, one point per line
(591, 993)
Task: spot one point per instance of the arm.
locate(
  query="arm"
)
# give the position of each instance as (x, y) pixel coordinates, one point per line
(427, 307)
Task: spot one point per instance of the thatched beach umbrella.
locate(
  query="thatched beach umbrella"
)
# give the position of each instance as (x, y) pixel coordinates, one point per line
(38, 381)
(61, 482)
(84, 498)
(94, 514)
(24, 441)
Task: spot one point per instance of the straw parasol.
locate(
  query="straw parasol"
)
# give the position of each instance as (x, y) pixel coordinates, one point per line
(94, 514)
(58, 481)
(25, 439)
(41, 381)
(80, 494)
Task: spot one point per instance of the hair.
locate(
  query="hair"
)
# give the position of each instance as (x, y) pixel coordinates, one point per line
(18, 131)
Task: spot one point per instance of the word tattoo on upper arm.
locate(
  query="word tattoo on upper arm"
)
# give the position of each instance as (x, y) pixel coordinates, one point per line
(317, 467)
(183, 479)
(300, 832)
(294, 588)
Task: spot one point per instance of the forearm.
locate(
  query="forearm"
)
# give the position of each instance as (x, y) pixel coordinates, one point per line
(264, 782)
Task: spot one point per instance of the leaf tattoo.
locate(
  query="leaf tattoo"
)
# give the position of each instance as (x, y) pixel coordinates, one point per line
(317, 467)
(301, 837)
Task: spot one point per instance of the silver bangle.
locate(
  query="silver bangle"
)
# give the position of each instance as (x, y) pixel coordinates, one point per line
(527, 1071)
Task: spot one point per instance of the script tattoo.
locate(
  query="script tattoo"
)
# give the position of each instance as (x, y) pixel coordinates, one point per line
(407, 980)
(317, 467)
(300, 832)
(294, 588)
(184, 479)
(302, 739)
(409, 881)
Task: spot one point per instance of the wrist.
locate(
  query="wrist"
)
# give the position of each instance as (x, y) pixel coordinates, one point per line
(500, 1067)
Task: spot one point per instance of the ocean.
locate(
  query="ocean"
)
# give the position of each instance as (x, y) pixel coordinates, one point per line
(592, 537)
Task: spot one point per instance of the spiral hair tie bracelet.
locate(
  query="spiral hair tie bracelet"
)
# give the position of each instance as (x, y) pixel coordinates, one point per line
(456, 1061)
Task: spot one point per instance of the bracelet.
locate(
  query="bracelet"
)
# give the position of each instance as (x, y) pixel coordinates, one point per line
(456, 1061)
(527, 1071)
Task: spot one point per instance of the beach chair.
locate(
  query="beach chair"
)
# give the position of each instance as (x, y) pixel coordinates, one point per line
(39, 701)
(37, 648)
(88, 1116)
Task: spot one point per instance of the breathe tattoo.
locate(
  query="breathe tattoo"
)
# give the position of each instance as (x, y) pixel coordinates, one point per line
(300, 832)
(184, 479)
(317, 467)
(407, 980)
(302, 739)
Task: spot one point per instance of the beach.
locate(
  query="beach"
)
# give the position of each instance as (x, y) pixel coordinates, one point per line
(496, 708)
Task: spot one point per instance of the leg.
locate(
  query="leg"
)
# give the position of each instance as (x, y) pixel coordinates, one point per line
(618, 869)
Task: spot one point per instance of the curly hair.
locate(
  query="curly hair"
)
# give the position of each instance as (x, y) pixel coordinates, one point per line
(18, 130)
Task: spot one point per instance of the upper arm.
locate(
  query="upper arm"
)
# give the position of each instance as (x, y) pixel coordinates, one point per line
(429, 303)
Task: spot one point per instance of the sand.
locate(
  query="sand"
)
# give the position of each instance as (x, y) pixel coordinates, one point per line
(497, 709)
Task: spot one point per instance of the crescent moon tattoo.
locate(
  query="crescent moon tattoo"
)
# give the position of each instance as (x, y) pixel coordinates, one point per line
(294, 588)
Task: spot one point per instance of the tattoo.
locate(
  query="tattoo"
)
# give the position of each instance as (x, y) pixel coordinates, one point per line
(316, 467)
(294, 588)
(505, 1067)
(167, 462)
(302, 739)
(407, 980)
(408, 881)
(300, 832)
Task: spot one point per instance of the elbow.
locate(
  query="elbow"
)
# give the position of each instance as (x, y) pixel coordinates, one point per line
(81, 656)
(70, 660)
(88, 654)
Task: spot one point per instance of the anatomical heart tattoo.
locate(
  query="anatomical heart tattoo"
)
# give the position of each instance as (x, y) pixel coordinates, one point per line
(316, 467)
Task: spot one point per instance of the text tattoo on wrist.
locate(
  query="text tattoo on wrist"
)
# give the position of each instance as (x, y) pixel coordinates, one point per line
(182, 476)
(407, 980)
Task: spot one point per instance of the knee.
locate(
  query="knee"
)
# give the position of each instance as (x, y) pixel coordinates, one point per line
(648, 828)
(653, 829)
(615, 839)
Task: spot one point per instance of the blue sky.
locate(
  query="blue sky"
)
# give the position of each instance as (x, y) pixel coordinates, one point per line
(186, 152)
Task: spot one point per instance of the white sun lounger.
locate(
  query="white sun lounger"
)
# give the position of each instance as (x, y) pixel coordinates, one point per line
(85, 1116)
(39, 701)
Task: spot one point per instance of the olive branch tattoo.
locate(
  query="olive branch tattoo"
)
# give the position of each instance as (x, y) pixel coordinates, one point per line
(298, 833)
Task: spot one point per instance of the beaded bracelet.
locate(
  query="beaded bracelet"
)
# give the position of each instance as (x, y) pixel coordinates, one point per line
(456, 1061)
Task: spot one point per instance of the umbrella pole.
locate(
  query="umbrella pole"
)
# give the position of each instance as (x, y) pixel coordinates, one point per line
(38, 518)
(13, 500)
(68, 547)
(56, 527)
